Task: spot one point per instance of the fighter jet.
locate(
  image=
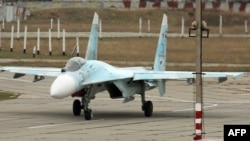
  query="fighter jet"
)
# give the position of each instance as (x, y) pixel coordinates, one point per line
(86, 77)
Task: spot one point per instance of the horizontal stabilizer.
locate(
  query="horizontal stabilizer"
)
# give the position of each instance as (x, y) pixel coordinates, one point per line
(190, 81)
(38, 78)
(222, 79)
(18, 75)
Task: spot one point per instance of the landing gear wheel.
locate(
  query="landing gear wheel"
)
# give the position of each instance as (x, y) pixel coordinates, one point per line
(77, 107)
(148, 108)
(88, 114)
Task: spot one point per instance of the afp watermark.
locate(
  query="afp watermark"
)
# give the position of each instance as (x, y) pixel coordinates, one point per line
(237, 132)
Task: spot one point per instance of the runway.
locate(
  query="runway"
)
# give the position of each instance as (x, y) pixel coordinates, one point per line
(37, 116)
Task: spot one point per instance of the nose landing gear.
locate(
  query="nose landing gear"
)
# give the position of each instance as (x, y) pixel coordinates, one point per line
(78, 106)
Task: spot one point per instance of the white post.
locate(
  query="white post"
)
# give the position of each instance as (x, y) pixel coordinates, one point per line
(148, 25)
(246, 29)
(182, 27)
(140, 25)
(50, 47)
(18, 29)
(0, 38)
(11, 38)
(77, 46)
(38, 41)
(63, 45)
(3, 24)
(100, 29)
(58, 28)
(51, 23)
(25, 39)
(220, 25)
(34, 52)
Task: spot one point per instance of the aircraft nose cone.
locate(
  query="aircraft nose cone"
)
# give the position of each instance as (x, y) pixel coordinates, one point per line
(62, 86)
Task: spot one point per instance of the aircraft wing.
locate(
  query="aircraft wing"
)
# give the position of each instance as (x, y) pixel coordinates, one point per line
(158, 75)
(38, 71)
(108, 77)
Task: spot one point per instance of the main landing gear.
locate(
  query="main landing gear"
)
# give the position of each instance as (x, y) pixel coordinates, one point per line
(147, 106)
(78, 106)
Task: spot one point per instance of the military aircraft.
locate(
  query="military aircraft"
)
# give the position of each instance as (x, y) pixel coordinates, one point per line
(85, 77)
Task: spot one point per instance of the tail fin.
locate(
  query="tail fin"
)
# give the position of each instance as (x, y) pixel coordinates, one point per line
(161, 54)
(91, 53)
(161, 51)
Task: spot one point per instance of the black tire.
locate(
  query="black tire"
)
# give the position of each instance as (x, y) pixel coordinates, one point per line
(77, 107)
(88, 114)
(148, 109)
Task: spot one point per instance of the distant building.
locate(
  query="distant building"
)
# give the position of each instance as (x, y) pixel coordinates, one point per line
(11, 12)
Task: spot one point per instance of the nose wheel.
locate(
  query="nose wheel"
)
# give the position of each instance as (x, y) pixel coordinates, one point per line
(77, 108)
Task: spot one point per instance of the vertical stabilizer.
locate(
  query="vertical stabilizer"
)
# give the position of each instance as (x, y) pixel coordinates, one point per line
(161, 50)
(161, 54)
(91, 53)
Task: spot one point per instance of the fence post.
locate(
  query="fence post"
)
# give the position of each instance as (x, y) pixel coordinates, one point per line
(34, 52)
(220, 25)
(51, 23)
(0, 38)
(77, 46)
(11, 38)
(140, 26)
(246, 28)
(148, 25)
(18, 29)
(38, 41)
(58, 29)
(25, 39)
(50, 47)
(182, 26)
(63, 44)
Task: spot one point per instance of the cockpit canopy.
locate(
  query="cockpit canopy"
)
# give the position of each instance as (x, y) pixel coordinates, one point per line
(74, 64)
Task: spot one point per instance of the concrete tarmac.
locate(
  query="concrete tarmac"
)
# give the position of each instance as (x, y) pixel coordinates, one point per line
(37, 116)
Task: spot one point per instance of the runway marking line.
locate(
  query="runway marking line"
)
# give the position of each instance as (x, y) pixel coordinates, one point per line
(59, 124)
(189, 109)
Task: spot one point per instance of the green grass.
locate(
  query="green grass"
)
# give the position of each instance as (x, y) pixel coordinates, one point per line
(8, 95)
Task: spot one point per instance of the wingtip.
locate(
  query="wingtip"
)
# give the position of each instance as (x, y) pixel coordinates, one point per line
(239, 75)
